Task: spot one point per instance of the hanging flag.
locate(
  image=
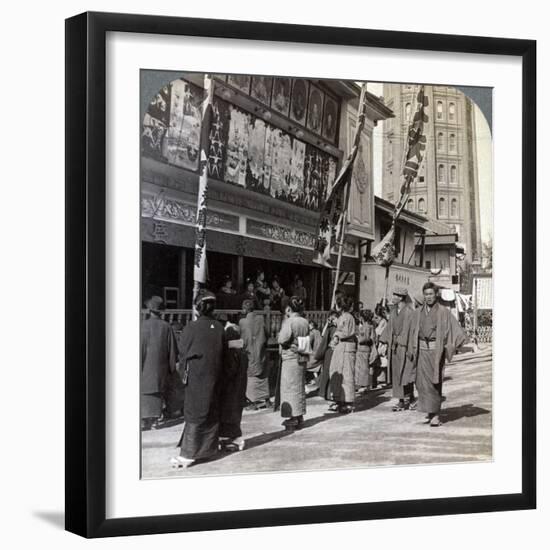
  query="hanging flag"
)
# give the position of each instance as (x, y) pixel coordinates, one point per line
(200, 269)
(384, 252)
(416, 143)
(334, 205)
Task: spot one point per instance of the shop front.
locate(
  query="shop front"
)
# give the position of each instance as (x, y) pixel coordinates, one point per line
(276, 145)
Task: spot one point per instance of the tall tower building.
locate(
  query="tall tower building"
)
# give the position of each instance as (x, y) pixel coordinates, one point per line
(446, 188)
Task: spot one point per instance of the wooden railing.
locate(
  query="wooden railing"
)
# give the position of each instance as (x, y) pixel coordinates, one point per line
(273, 319)
(485, 334)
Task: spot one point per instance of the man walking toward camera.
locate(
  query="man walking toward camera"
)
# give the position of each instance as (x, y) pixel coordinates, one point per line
(436, 336)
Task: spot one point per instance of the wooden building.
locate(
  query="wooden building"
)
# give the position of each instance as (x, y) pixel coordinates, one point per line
(275, 146)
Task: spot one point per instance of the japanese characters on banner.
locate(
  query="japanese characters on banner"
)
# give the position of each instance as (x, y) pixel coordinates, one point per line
(244, 149)
(182, 142)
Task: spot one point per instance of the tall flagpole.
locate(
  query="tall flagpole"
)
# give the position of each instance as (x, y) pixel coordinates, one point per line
(341, 245)
(199, 271)
(330, 216)
(346, 172)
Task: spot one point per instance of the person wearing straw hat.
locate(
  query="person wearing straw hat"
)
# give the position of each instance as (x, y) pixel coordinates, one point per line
(397, 335)
(159, 354)
(202, 354)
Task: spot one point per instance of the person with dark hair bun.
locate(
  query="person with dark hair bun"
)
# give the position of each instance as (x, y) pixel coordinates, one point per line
(324, 354)
(397, 335)
(250, 293)
(292, 339)
(364, 356)
(342, 365)
(263, 292)
(233, 392)
(279, 299)
(255, 334)
(380, 320)
(202, 351)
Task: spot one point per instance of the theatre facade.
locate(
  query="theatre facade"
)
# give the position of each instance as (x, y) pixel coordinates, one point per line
(276, 144)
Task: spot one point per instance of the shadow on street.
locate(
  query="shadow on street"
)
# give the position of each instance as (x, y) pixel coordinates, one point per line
(363, 403)
(463, 411)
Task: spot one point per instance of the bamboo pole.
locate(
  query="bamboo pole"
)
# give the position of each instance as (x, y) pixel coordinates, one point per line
(341, 243)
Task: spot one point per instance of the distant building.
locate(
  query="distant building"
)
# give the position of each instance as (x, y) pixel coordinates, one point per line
(446, 189)
(425, 251)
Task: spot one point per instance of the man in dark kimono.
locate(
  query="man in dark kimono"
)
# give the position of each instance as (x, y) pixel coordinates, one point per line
(233, 391)
(159, 353)
(435, 337)
(202, 349)
(254, 335)
(397, 335)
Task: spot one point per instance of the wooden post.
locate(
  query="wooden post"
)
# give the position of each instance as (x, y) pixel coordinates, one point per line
(182, 264)
(474, 288)
(240, 272)
(385, 300)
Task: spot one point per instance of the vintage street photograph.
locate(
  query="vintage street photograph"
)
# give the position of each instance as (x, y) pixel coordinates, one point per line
(316, 274)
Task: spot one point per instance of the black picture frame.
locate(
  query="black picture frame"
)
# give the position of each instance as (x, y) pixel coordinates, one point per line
(86, 282)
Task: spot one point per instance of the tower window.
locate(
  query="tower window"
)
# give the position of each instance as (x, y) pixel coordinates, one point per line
(452, 111)
(440, 109)
(453, 174)
(440, 141)
(407, 111)
(452, 142)
(442, 207)
(410, 205)
(441, 173)
(454, 208)
(421, 205)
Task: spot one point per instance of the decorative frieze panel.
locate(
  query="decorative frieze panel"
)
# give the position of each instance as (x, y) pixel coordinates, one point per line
(160, 207)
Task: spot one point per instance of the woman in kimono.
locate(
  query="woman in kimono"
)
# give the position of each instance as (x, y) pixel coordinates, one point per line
(324, 354)
(233, 390)
(202, 349)
(159, 353)
(342, 365)
(313, 364)
(293, 365)
(380, 320)
(365, 343)
(250, 294)
(254, 334)
(397, 335)
(263, 293)
(279, 299)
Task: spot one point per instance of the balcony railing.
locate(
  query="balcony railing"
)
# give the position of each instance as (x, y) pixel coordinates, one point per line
(273, 319)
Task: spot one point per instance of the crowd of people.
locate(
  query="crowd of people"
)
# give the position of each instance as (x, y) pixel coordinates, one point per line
(218, 368)
(262, 293)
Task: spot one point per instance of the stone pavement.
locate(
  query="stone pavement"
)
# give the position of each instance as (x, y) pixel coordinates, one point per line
(371, 436)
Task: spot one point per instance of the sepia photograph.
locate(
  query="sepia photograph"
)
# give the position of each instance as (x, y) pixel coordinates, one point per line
(316, 274)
